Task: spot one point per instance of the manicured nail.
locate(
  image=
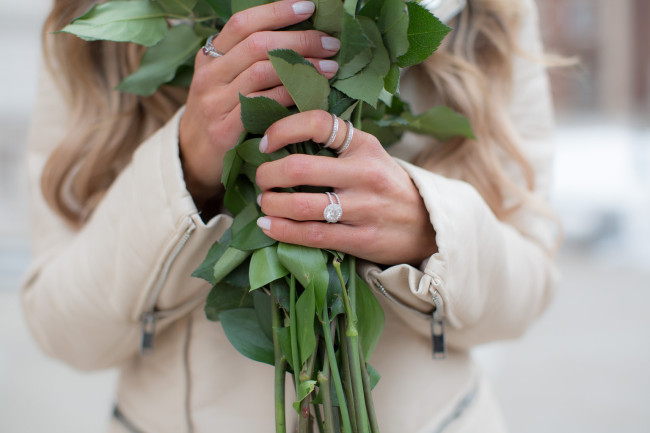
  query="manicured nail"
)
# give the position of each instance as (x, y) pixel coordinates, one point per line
(264, 143)
(264, 223)
(328, 66)
(259, 200)
(330, 44)
(303, 8)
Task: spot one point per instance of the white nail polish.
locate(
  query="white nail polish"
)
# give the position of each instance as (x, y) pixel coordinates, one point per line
(259, 200)
(264, 223)
(303, 8)
(330, 44)
(264, 143)
(328, 66)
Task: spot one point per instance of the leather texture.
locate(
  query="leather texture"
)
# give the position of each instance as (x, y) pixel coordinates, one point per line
(87, 289)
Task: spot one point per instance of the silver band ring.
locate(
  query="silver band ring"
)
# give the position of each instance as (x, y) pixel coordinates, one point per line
(333, 211)
(209, 49)
(335, 130)
(348, 138)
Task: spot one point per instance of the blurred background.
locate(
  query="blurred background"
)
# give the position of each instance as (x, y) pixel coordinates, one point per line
(583, 367)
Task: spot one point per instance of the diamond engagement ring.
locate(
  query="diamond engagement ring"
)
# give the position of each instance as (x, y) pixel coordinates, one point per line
(333, 211)
(209, 49)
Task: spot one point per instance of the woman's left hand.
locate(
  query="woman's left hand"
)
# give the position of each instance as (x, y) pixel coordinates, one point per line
(384, 219)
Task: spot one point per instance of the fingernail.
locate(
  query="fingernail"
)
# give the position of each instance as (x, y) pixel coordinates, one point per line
(264, 223)
(330, 44)
(328, 66)
(264, 143)
(259, 200)
(303, 8)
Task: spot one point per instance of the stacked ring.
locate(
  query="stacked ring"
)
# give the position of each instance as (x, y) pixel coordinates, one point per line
(333, 211)
(209, 49)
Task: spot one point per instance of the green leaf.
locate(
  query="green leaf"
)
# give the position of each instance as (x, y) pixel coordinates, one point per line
(308, 88)
(339, 102)
(249, 151)
(304, 389)
(305, 311)
(370, 318)
(391, 81)
(240, 5)
(284, 336)
(373, 375)
(225, 297)
(246, 335)
(280, 289)
(359, 62)
(393, 23)
(159, 63)
(353, 40)
(258, 113)
(367, 84)
(350, 6)
(240, 194)
(425, 33)
(139, 21)
(179, 7)
(221, 7)
(206, 268)
(231, 165)
(372, 9)
(265, 267)
(307, 265)
(440, 122)
(328, 16)
(246, 234)
(262, 305)
(230, 259)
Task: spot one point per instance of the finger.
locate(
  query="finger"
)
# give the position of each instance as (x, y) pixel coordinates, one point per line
(301, 169)
(340, 237)
(316, 125)
(306, 207)
(308, 43)
(271, 16)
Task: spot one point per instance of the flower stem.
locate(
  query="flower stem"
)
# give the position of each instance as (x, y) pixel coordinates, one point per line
(367, 390)
(336, 377)
(293, 332)
(325, 391)
(353, 345)
(280, 369)
(305, 418)
(347, 377)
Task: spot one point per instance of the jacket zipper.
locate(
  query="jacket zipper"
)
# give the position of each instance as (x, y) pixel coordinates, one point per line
(150, 316)
(436, 317)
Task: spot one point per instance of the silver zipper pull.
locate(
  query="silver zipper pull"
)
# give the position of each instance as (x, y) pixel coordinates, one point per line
(148, 331)
(438, 328)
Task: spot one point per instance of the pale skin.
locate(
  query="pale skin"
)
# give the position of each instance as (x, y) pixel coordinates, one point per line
(384, 218)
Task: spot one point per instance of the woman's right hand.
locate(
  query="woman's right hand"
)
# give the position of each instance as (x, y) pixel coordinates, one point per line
(211, 124)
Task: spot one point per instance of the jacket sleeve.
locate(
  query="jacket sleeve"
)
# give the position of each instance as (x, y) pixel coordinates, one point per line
(491, 278)
(88, 290)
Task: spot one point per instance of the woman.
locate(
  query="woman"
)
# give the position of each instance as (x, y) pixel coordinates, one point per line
(126, 202)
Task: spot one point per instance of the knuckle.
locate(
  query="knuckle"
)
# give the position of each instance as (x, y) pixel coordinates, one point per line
(303, 209)
(374, 175)
(259, 72)
(257, 42)
(306, 40)
(238, 23)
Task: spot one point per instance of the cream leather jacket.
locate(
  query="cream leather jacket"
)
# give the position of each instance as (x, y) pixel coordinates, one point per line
(93, 294)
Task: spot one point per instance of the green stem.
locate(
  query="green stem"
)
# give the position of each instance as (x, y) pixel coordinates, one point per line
(325, 392)
(280, 363)
(357, 115)
(347, 375)
(336, 377)
(306, 374)
(319, 419)
(367, 390)
(353, 345)
(293, 332)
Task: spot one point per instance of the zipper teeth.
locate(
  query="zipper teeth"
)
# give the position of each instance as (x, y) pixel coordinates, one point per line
(168, 264)
(391, 298)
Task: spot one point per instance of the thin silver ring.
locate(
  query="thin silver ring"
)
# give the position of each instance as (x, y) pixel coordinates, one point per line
(348, 138)
(335, 130)
(209, 49)
(333, 211)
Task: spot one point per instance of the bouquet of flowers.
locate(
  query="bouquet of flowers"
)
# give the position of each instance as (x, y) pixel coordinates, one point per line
(303, 310)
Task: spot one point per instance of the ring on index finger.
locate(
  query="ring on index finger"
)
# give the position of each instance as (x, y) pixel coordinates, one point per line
(209, 49)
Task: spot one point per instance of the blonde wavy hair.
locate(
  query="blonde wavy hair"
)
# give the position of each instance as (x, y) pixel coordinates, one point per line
(472, 75)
